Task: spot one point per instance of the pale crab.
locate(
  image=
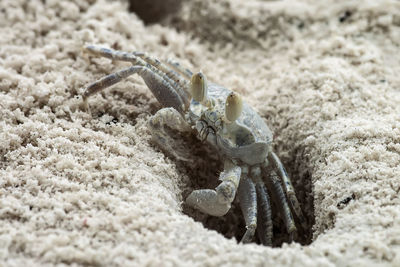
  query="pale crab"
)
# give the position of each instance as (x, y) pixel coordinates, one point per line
(229, 125)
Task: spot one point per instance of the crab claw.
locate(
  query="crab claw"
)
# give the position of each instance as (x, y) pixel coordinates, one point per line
(233, 106)
(217, 202)
(207, 201)
(198, 87)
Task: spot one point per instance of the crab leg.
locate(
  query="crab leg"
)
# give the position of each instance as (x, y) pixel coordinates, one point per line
(109, 80)
(217, 202)
(264, 227)
(264, 212)
(278, 195)
(248, 204)
(288, 186)
(154, 65)
(171, 73)
(160, 88)
(178, 68)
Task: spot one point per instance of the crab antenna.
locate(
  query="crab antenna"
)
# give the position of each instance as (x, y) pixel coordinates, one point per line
(198, 87)
(233, 106)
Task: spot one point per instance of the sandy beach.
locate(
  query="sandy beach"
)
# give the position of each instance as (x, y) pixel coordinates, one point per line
(92, 188)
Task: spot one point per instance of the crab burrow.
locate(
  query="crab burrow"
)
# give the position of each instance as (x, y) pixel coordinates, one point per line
(219, 117)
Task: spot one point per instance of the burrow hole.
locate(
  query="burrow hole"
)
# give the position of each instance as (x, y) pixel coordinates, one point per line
(204, 172)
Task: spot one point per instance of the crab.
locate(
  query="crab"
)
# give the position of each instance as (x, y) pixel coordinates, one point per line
(220, 118)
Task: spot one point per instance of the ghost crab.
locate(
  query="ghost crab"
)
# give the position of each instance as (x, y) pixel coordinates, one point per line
(229, 125)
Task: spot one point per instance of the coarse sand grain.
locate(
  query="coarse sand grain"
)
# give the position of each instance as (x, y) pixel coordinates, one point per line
(92, 189)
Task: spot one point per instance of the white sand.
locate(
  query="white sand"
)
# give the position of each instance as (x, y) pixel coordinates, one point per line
(83, 190)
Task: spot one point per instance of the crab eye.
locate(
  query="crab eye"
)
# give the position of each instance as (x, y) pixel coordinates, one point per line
(198, 87)
(233, 106)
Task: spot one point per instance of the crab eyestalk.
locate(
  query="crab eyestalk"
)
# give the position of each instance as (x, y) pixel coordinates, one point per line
(233, 107)
(198, 87)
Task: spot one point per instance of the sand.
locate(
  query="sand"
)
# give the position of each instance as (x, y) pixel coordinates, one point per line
(93, 189)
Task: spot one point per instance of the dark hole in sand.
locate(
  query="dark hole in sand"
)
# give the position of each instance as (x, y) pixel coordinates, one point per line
(204, 172)
(154, 11)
